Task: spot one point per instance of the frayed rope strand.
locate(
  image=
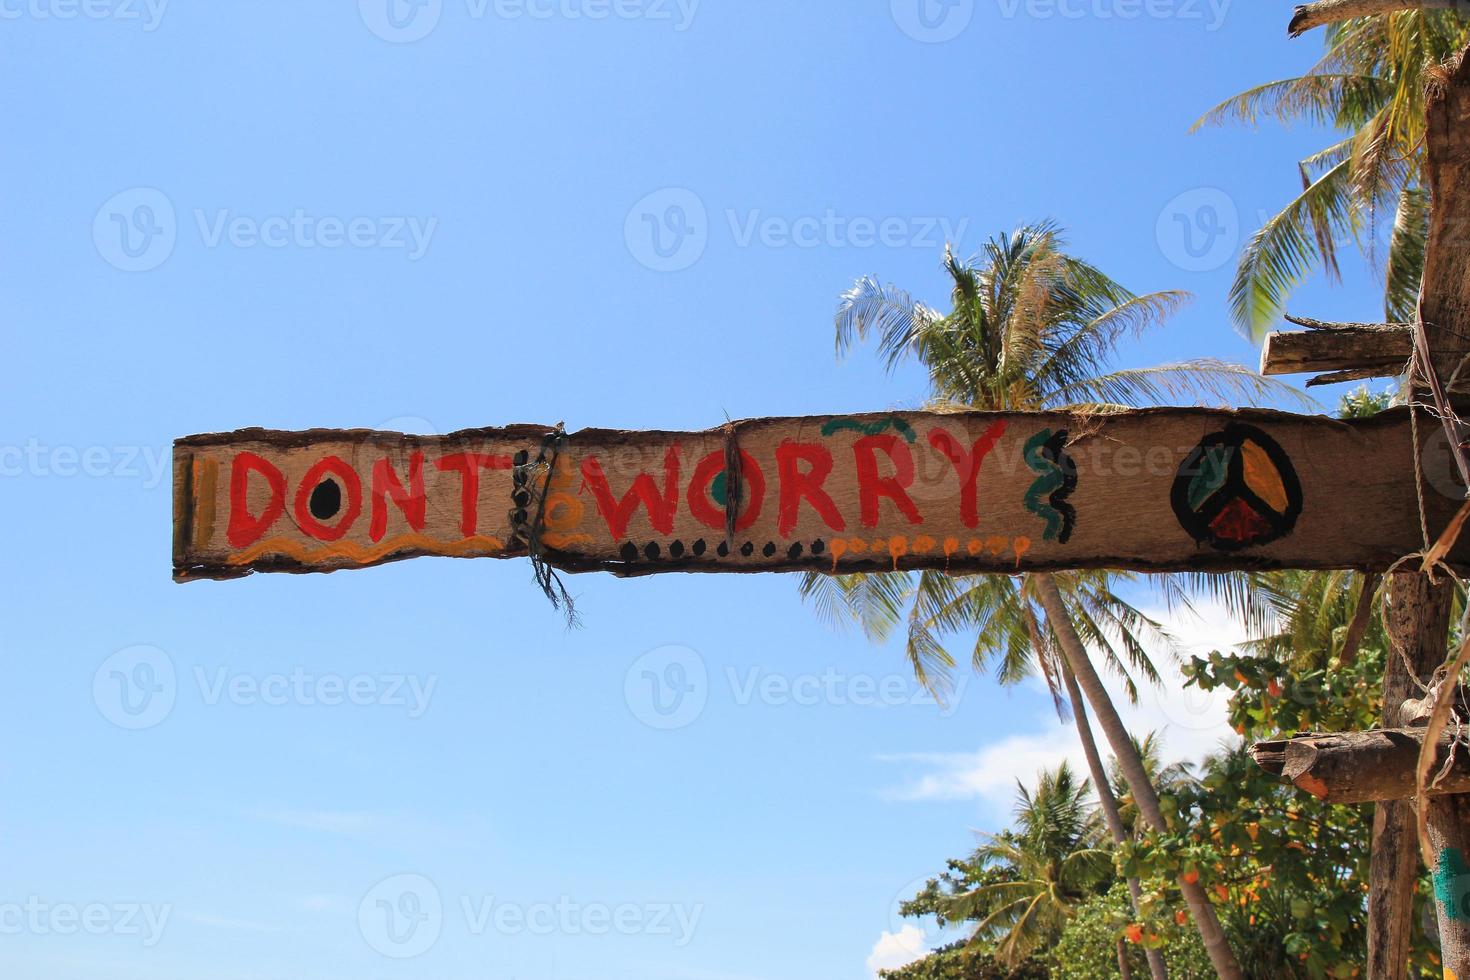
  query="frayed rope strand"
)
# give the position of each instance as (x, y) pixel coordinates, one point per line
(531, 531)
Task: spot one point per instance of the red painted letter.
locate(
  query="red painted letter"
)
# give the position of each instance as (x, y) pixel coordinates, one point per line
(661, 506)
(796, 485)
(871, 486)
(348, 485)
(967, 464)
(411, 501)
(468, 466)
(246, 528)
(752, 487)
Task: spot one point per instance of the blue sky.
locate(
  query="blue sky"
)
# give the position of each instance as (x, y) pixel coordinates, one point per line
(292, 215)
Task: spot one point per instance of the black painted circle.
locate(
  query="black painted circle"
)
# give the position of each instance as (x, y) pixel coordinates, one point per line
(326, 500)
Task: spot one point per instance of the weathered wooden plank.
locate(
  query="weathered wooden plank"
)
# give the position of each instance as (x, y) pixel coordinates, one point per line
(1366, 351)
(1154, 489)
(1360, 767)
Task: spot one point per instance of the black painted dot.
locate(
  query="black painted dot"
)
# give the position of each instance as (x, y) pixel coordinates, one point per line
(748, 548)
(677, 549)
(723, 550)
(520, 517)
(652, 550)
(818, 546)
(794, 551)
(699, 547)
(326, 500)
(521, 498)
(629, 552)
(523, 457)
(769, 550)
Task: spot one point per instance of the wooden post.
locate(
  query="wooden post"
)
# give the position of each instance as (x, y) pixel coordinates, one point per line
(1418, 629)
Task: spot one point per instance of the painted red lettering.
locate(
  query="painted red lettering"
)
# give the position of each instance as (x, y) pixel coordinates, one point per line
(797, 486)
(967, 464)
(661, 505)
(752, 490)
(347, 502)
(387, 485)
(247, 528)
(468, 466)
(872, 487)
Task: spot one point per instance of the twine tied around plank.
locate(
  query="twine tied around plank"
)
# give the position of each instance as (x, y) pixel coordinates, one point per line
(531, 529)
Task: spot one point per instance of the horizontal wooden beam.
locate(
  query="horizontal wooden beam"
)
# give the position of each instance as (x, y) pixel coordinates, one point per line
(1351, 350)
(1360, 767)
(1154, 490)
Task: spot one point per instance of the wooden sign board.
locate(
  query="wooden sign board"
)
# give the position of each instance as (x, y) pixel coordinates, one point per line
(1158, 489)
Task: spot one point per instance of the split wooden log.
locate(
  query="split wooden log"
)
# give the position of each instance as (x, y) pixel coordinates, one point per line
(1324, 12)
(1361, 767)
(1360, 349)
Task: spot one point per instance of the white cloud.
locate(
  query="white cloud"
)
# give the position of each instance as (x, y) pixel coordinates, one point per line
(1190, 722)
(893, 950)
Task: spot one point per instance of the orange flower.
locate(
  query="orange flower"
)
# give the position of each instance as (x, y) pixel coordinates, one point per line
(1134, 933)
(1191, 877)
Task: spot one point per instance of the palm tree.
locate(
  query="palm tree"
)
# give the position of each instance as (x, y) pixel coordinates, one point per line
(1370, 86)
(1050, 863)
(1031, 328)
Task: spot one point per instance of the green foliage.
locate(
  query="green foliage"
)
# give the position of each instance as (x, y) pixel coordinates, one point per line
(1288, 873)
(1088, 948)
(1370, 88)
(963, 962)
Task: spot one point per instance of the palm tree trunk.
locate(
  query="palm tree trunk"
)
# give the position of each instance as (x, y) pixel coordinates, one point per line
(1147, 801)
(1123, 971)
(1109, 805)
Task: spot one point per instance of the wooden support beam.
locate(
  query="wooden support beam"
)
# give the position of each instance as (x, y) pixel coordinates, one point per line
(1366, 351)
(1158, 489)
(1417, 622)
(1324, 12)
(1360, 767)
